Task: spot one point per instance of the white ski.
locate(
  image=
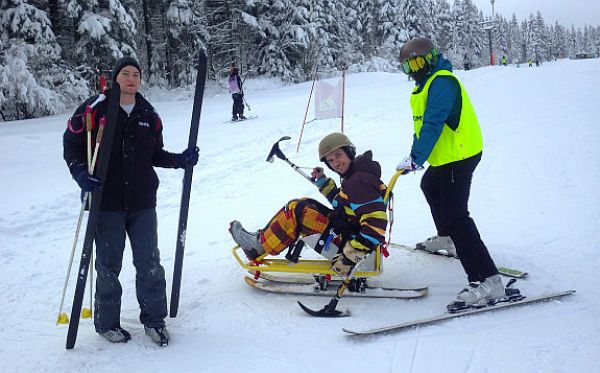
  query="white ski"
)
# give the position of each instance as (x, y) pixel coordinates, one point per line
(505, 271)
(308, 289)
(448, 316)
(242, 120)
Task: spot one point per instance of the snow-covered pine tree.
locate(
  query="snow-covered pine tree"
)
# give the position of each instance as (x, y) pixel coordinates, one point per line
(557, 41)
(531, 37)
(185, 38)
(458, 51)
(230, 36)
(442, 32)
(152, 42)
(282, 38)
(390, 32)
(323, 33)
(413, 15)
(588, 40)
(500, 37)
(105, 32)
(430, 22)
(513, 41)
(350, 40)
(474, 35)
(596, 42)
(34, 80)
(367, 25)
(539, 38)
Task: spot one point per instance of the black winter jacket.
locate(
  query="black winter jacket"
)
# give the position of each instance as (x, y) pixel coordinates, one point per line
(131, 181)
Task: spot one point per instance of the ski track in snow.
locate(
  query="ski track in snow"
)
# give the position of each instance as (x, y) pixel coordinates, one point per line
(534, 198)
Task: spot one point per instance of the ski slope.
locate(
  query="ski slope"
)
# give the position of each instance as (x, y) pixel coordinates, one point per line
(535, 200)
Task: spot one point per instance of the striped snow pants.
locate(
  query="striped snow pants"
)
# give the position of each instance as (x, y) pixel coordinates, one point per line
(299, 217)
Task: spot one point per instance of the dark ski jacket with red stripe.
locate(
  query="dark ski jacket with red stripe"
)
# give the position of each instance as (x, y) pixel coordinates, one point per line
(131, 182)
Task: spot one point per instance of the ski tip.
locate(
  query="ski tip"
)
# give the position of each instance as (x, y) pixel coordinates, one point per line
(357, 333)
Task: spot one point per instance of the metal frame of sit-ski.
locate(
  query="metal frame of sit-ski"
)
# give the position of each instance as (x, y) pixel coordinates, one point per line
(320, 269)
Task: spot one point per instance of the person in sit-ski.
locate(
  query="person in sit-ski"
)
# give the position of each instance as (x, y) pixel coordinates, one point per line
(358, 215)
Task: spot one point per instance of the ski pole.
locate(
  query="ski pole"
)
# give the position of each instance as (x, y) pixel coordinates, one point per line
(63, 318)
(87, 313)
(276, 152)
(246, 103)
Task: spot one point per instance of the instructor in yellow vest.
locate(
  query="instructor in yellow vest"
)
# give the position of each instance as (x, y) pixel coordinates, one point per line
(448, 137)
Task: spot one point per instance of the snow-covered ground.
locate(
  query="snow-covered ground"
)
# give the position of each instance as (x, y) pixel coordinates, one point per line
(535, 199)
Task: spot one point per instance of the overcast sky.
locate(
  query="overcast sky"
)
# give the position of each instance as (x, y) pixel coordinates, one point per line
(566, 12)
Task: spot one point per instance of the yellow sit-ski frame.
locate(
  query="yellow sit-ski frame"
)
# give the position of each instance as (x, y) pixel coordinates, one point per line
(313, 266)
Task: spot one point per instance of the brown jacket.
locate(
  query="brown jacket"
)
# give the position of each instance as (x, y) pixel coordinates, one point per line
(358, 202)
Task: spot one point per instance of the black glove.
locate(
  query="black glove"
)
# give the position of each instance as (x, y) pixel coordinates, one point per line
(188, 157)
(85, 181)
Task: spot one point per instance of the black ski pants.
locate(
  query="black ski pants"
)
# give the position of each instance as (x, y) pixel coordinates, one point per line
(141, 227)
(238, 105)
(447, 190)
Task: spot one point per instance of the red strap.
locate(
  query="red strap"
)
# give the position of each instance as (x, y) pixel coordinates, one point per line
(257, 263)
(102, 83)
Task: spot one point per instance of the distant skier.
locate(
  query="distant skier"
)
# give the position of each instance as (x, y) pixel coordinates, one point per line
(448, 136)
(503, 61)
(237, 93)
(359, 215)
(466, 62)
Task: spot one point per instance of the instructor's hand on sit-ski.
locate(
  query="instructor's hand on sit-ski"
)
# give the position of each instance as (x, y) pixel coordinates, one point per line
(408, 165)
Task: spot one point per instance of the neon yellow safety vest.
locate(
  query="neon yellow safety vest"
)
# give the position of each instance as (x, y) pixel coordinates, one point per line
(452, 146)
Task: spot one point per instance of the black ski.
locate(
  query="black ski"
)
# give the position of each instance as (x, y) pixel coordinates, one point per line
(187, 185)
(112, 113)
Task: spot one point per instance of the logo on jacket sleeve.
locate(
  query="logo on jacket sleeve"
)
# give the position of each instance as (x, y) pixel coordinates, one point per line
(144, 124)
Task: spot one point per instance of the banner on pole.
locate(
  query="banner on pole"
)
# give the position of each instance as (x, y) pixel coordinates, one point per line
(328, 100)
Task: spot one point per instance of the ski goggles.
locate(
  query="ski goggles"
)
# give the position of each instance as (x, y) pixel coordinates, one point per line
(413, 64)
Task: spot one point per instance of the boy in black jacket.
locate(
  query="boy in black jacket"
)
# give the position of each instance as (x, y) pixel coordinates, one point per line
(128, 201)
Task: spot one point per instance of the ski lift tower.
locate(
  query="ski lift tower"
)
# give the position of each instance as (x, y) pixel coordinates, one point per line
(488, 26)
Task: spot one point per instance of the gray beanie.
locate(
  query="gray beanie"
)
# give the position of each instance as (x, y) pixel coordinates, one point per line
(121, 63)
